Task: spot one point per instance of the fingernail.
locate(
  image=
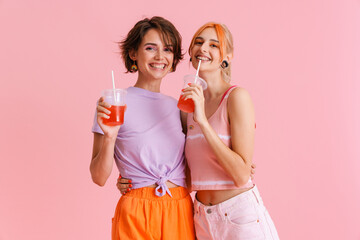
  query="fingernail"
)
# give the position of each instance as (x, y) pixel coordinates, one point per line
(130, 185)
(130, 181)
(189, 84)
(183, 89)
(128, 190)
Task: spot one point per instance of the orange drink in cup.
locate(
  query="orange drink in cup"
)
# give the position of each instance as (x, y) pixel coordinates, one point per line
(188, 105)
(116, 98)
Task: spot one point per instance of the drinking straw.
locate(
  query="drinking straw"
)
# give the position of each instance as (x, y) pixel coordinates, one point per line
(197, 71)
(113, 82)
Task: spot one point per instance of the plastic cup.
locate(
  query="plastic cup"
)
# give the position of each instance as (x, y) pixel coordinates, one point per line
(116, 98)
(188, 105)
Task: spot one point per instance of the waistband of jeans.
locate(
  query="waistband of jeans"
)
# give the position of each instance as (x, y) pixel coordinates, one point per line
(251, 194)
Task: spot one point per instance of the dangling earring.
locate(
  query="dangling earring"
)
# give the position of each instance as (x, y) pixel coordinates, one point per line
(224, 64)
(171, 69)
(134, 68)
(190, 59)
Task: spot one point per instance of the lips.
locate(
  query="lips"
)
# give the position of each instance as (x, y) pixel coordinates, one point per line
(203, 58)
(157, 65)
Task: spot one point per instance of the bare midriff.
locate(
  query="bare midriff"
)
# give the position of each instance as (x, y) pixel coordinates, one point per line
(213, 197)
(168, 184)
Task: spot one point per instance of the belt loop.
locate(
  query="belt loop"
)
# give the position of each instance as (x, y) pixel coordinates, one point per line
(198, 203)
(197, 206)
(257, 199)
(222, 211)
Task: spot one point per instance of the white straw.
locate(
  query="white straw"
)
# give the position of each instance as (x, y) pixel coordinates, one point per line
(197, 71)
(113, 81)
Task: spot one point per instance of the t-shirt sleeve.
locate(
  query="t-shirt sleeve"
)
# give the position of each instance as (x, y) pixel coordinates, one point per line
(96, 128)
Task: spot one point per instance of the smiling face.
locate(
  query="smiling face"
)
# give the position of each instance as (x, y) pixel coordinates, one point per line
(207, 49)
(153, 58)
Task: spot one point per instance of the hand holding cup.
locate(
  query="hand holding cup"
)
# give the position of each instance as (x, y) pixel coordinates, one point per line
(187, 105)
(110, 110)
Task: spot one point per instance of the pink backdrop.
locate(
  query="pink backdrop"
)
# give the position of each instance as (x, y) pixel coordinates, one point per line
(300, 60)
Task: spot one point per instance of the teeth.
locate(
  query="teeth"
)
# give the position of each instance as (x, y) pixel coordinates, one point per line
(203, 58)
(157, 65)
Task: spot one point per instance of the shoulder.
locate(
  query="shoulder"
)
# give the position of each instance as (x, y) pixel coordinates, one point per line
(170, 100)
(240, 107)
(239, 96)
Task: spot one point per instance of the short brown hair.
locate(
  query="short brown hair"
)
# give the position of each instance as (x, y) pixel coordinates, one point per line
(170, 36)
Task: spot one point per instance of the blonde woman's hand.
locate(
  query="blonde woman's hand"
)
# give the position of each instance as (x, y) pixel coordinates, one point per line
(252, 174)
(195, 92)
(124, 185)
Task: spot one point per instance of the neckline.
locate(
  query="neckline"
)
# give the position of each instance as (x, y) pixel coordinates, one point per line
(145, 92)
(222, 98)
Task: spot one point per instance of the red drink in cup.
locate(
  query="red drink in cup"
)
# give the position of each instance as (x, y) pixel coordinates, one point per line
(188, 105)
(116, 98)
(116, 115)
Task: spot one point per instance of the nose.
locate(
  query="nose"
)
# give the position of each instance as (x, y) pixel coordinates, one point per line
(159, 55)
(204, 48)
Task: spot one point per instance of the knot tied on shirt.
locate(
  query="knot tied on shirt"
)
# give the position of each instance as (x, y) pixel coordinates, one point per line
(162, 188)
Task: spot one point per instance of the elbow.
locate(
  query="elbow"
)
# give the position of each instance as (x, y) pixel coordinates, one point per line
(97, 178)
(241, 180)
(239, 183)
(98, 182)
(243, 175)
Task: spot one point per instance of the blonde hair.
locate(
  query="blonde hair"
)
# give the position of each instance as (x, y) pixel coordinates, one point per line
(226, 44)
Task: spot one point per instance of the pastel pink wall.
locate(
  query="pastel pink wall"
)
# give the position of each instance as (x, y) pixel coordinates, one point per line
(300, 60)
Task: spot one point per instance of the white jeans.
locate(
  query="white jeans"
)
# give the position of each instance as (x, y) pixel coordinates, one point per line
(242, 217)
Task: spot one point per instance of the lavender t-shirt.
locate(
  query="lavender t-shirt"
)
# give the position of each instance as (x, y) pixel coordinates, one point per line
(149, 147)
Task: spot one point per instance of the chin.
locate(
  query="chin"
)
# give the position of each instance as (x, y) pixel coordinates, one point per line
(159, 76)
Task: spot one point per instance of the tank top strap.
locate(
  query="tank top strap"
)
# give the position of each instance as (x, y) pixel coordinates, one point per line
(227, 93)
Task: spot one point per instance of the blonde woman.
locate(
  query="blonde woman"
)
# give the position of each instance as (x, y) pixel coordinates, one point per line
(219, 146)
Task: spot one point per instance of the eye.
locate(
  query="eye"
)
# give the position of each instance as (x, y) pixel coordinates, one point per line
(168, 49)
(150, 48)
(213, 45)
(198, 43)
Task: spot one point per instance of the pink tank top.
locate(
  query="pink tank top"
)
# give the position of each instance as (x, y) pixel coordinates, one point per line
(206, 172)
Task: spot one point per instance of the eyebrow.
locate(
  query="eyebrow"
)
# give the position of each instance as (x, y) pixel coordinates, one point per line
(213, 40)
(151, 44)
(154, 44)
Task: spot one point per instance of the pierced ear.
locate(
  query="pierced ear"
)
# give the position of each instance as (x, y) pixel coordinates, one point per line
(132, 54)
(224, 64)
(228, 57)
(190, 55)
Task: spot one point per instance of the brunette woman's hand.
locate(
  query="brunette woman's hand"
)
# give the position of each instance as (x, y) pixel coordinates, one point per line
(195, 92)
(103, 112)
(252, 174)
(124, 185)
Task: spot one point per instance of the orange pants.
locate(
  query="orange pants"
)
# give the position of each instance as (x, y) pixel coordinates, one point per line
(140, 214)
